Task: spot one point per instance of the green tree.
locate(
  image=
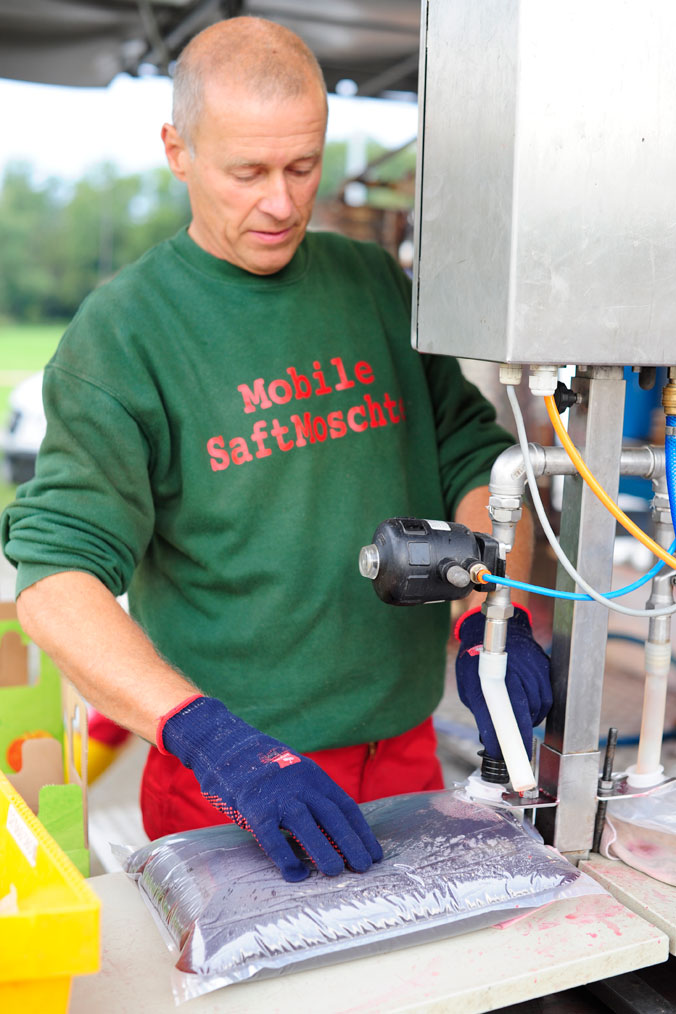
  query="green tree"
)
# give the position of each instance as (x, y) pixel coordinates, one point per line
(58, 242)
(27, 217)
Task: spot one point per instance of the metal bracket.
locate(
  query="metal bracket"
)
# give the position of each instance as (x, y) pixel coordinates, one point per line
(528, 801)
(512, 800)
(622, 789)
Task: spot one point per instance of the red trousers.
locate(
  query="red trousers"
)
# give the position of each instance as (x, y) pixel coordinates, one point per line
(171, 800)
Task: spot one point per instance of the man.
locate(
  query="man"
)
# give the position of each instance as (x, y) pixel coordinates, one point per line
(228, 420)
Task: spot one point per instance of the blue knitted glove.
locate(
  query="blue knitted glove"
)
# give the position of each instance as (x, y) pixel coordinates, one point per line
(527, 679)
(264, 786)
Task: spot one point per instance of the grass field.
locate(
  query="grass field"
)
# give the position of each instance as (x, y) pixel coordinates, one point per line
(28, 346)
(24, 349)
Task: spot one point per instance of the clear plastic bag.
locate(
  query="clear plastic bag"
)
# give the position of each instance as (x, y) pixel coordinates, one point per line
(641, 830)
(449, 866)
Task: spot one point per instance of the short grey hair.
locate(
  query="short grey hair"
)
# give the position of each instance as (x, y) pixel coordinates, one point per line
(262, 55)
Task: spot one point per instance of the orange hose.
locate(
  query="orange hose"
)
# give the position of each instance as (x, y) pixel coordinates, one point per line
(598, 490)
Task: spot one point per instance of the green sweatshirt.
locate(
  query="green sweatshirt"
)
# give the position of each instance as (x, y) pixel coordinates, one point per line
(222, 445)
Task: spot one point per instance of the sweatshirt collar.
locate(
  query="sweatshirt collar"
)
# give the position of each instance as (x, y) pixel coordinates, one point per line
(188, 250)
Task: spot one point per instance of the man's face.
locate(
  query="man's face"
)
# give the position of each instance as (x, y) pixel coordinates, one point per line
(253, 176)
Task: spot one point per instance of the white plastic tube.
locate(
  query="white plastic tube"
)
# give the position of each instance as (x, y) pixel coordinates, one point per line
(492, 672)
(657, 665)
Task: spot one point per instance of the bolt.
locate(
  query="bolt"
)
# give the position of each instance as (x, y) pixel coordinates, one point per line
(502, 514)
(493, 611)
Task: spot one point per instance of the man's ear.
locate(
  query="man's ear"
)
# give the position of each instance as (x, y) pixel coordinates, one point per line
(176, 151)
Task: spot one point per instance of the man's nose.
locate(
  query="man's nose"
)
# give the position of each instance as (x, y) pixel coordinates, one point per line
(276, 200)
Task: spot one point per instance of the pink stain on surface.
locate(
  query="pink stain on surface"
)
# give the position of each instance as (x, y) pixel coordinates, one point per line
(600, 917)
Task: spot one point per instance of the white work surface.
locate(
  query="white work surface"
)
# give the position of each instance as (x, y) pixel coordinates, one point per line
(557, 947)
(644, 895)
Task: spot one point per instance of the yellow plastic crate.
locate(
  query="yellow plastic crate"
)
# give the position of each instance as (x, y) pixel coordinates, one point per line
(53, 930)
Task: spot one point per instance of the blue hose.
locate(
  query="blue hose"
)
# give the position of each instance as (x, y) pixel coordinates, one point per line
(670, 473)
(555, 593)
(670, 458)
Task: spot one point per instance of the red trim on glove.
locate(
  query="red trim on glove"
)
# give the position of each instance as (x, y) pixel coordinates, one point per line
(526, 610)
(165, 718)
(477, 609)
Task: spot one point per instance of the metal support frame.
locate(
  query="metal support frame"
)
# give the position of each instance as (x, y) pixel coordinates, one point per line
(569, 757)
(630, 994)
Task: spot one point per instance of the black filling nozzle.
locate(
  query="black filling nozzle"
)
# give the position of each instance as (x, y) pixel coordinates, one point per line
(493, 770)
(412, 561)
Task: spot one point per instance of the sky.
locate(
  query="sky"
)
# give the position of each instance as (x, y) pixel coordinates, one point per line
(65, 131)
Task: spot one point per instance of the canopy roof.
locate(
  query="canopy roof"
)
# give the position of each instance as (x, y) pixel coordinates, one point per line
(88, 42)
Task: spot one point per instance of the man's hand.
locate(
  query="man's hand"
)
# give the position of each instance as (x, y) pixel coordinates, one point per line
(265, 787)
(527, 679)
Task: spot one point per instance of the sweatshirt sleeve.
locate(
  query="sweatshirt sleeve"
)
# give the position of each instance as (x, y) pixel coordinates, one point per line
(468, 437)
(89, 507)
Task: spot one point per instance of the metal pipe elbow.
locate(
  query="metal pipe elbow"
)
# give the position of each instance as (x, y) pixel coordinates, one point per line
(508, 474)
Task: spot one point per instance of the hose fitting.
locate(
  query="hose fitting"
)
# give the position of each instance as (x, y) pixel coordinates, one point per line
(669, 397)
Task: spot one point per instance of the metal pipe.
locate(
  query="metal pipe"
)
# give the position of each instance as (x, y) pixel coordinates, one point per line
(508, 475)
(648, 770)
(507, 484)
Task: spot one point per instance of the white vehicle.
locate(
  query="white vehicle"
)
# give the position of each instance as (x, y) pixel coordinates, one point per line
(22, 435)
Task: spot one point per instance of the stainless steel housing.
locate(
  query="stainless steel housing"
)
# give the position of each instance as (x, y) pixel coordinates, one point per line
(546, 205)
